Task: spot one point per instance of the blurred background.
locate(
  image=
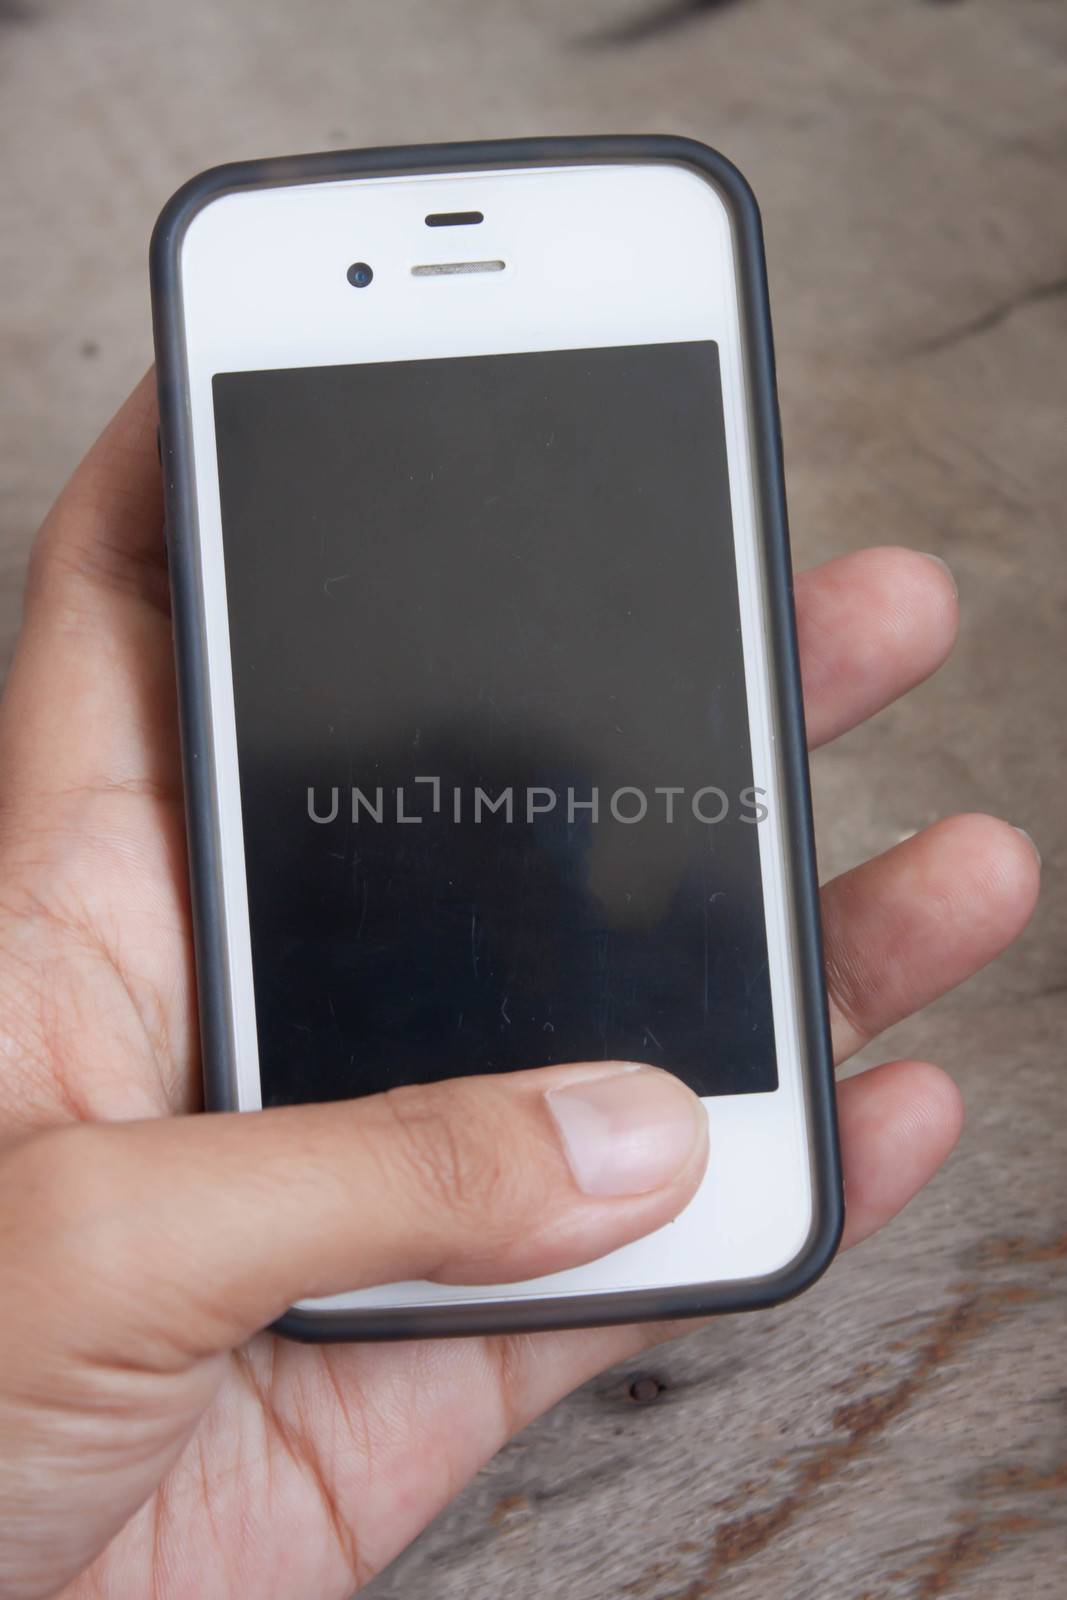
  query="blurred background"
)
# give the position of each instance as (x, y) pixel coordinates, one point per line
(900, 1431)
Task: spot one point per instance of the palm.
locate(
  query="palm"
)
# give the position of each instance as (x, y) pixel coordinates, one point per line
(312, 1467)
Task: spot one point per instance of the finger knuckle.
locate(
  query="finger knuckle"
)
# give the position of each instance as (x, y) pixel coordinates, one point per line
(53, 573)
(39, 565)
(451, 1151)
(77, 557)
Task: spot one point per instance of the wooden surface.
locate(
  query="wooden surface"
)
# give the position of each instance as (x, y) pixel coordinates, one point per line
(899, 1432)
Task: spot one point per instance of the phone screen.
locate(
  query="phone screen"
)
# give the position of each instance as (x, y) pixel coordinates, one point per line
(493, 743)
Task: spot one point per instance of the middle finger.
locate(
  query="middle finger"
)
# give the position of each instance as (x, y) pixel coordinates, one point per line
(906, 927)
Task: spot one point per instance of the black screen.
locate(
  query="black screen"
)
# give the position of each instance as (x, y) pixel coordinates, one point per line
(451, 582)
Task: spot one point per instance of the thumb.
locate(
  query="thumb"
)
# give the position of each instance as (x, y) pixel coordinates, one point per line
(200, 1230)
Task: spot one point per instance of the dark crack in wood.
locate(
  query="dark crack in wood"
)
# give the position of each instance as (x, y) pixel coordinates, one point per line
(860, 1424)
(665, 18)
(990, 319)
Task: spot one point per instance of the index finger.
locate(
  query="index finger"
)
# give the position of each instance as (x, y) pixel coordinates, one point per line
(92, 669)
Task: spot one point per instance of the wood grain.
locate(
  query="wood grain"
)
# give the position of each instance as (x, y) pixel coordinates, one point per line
(899, 1432)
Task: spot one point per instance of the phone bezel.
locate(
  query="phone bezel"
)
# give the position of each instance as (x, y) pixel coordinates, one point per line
(181, 293)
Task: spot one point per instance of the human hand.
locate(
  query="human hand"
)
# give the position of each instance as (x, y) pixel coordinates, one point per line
(151, 1442)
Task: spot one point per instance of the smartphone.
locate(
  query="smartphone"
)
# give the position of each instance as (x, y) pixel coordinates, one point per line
(491, 721)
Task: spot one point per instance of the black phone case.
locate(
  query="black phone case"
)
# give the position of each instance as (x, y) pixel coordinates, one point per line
(197, 753)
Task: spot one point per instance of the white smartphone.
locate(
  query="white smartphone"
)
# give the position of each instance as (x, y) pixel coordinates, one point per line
(490, 708)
